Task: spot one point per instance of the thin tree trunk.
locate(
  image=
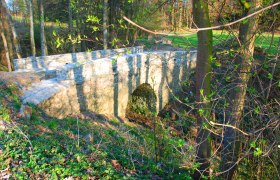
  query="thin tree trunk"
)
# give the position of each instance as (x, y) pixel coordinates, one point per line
(203, 69)
(78, 24)
(32, 40)
(5, 47)
(247, 36)
(6, 29)
(172, 16)
(79, 33)
(11, 24)
(44, 48)
(83, 42)
(180, 18)
(186, 17)
(70, 22)
(105, 24)
(25, 13)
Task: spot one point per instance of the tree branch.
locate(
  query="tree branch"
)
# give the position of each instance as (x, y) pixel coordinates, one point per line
(192, 31)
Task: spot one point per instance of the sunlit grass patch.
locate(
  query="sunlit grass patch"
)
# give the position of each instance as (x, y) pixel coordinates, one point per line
(263, 40)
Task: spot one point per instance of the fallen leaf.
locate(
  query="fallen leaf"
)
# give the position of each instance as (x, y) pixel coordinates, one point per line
(78, 158)
(116, 165)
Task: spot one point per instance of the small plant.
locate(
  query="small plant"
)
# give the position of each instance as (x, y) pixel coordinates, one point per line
(4, 114)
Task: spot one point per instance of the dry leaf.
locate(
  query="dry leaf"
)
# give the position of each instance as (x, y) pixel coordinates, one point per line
(116, 165)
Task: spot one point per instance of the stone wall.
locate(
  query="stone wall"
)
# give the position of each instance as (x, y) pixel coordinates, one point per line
(104, 85)
(54, 61)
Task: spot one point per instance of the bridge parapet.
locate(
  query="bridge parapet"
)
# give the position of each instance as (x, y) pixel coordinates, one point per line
(54, 61)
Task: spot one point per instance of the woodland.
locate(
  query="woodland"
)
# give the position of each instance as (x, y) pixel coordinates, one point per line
(223, 124)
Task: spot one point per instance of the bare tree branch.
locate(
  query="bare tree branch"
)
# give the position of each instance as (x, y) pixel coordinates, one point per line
(193, 31)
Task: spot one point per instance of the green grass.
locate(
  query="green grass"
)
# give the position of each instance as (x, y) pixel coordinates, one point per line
(191, 40)
(219, 36)
(21, 19)
(264, 41)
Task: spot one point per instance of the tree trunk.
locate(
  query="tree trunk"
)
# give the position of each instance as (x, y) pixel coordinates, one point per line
(203, 68)
(6, 29)
(78, 24)
(70, 23)
(172, 16)
(25, 13)
(105, 24)
(5, 47)
(44, 48)
(247, 35)
(11, 24)
(180, 18)
(32, 40)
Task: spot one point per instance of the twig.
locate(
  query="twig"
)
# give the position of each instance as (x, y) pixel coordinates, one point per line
(78, 131)
(156, 33)
(4, 170)
(273, 70)
(226, 125)
(18, 130)
(274, 166)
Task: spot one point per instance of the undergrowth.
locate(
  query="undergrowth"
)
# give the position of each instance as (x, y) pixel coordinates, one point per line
(43, 147)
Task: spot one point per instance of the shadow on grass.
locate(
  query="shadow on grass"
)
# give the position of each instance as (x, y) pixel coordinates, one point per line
(46, 147)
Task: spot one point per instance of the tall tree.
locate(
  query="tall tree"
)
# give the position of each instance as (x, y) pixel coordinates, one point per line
(203, 68)
(5, 46)
(105, 24)
(12, 27)
(32, 40)
(243, 62)
(44, 48)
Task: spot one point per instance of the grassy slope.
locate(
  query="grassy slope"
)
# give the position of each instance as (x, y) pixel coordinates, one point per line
(45, 147)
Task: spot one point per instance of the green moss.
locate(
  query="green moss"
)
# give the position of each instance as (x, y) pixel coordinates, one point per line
(143, 101)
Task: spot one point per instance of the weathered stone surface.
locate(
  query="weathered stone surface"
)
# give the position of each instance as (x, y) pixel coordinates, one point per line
(105, 84)
(54, 61)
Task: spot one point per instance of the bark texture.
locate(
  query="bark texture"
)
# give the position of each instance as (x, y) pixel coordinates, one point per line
(243, 62)
(5, 46)
(7, 33)
(203, 68)
(32, 40)
(105, 24)
(44, 48)
(12, 27)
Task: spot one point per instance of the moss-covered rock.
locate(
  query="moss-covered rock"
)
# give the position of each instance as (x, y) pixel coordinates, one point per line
(142, 103)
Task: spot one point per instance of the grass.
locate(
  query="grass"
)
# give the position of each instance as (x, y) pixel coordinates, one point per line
(21, 19)
(48, 148)
(190, 41)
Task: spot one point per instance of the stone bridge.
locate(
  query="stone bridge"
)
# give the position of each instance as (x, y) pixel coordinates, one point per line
(102, 81)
